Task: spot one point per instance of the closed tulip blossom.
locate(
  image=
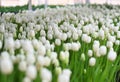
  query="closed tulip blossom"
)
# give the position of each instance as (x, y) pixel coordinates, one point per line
(92, 61)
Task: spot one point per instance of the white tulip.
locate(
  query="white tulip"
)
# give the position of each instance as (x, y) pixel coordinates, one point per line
(41, 50)
(64, 37)
(37, 28)
(92, 61)
(2, 28)
(95, 34)
(75, 46)
(63, 78)
(47, 61)
(62, 56)
(109, 44)
(20, 57)
(67, 72)
(112, 38)
(52, 46)
(101, 34)
(58, 42)
(97, 54)
(48, 46)
(13, 58)
(46, 75)
(67, 46)
(116, 28)
(22, 66)
(43, 39)
(69, 34)
(55, 62)
(103, 50)
(86, 29)
(82, 22)
(36, 44)
(30, 59)
(118, 34)
(95, 47)
(27, 79)
(88, 39)
(79, 32)
(112, 55)
(31, 33)
(9, 43)
(91, 29)
(6, 66)
(75, 36)
(17, 44)
(90, 53)
(117, 42)
(27, 46)
(97, 42)
(31, 72)
(42, 33)
(53, 55)
(5, 55)
(84, 37)
(41, 60)
(49, 36)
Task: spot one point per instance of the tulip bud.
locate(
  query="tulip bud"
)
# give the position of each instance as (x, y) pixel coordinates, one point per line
(83, 57)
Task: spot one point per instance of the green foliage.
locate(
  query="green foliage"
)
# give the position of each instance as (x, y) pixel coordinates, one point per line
(16, 9)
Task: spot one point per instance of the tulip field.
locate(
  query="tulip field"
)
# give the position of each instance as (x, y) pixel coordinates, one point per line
(61, 44)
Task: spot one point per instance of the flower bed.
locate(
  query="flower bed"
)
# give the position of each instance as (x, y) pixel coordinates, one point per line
(63, 44)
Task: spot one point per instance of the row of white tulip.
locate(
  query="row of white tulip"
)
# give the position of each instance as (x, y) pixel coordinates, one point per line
(63, 44)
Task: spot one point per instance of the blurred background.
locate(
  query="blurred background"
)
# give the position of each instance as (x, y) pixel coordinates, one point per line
(55, 2)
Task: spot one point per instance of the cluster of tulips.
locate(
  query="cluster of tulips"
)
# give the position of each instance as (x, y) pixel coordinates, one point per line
(62, 44)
